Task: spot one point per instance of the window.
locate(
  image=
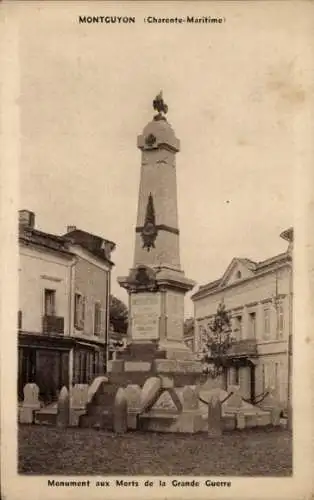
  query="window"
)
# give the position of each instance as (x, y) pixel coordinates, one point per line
(277, 379)
(280, 320)
(237, 378)
(50, 302)
(97, 318)
(238, 327)
(79, 311)
(266, 322)
(83, 367)
(96, 363)
(268, 375)
(76, 376)
(239, 275)
(252, 318)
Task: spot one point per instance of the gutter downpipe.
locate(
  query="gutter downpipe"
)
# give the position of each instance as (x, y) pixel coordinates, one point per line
(289, 389)
(108, 317)
(71, 322)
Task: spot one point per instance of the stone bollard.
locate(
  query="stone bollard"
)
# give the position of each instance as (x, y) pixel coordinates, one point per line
(30, 404)
(214, 417)
(78, 402)
(235, 400)
(63, 413)
(120, 412)
(271, 404)
(275, 415)
(240, 419)
(133, 396)
(189, 398)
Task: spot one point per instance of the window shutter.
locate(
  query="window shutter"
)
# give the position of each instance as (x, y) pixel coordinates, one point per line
(83, 311)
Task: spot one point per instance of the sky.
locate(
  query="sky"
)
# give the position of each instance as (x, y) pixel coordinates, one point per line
(233, 91)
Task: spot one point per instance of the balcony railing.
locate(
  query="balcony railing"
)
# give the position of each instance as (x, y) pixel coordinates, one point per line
(53, 325)
(244, 347)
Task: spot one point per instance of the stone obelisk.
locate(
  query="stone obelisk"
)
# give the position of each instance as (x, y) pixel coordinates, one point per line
(156, 284)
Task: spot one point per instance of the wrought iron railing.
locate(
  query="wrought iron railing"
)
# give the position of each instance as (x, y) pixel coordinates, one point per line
(53, 325)
(244, 347)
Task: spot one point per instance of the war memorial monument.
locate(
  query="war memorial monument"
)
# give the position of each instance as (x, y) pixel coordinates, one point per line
(156, 286)
(155, 383)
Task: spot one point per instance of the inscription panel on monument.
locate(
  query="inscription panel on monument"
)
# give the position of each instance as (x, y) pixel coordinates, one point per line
(145, 313)
(175, 315)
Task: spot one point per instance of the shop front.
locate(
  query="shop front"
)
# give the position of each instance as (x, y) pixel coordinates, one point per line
(89, 361)
(44, 361)
(48, 360)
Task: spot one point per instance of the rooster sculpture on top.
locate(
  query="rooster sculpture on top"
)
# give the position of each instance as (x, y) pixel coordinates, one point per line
(160, 106)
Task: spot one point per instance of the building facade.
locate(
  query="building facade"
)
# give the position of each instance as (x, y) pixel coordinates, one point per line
(90, 303)
(258, 297)
(64, 286)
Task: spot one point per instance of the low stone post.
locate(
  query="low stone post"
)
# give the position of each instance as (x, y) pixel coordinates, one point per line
(240, 419)
(30, 404)
(275, 415)
(214, 417)
(78, 402)
(235, 401)
(271, 404)
(133, 396)
(120, 412)
(189, 398)
(63, 412)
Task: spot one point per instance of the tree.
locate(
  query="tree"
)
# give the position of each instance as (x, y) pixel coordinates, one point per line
(217, 339)
(189, 326)
(118, 315)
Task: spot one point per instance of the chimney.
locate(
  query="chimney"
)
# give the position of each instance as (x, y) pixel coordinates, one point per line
(26, 218)
(287, 235)
(70, 229)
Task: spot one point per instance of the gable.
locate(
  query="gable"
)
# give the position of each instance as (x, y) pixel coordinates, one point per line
(238, 270)
(83, 254)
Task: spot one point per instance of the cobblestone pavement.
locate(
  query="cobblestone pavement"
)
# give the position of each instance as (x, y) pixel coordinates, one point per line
(47, 450)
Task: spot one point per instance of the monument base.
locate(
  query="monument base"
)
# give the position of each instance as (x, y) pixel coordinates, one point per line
(168, 386)
(186, 422)
(138, 362)
(146, 351)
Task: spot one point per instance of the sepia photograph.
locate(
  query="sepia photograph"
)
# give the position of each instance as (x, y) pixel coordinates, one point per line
(156, 225)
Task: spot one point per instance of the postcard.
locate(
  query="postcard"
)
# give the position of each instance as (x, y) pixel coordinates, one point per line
(157, 253)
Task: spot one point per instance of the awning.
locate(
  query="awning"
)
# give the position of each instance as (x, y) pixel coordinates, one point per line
(95, 347)
(40, 341)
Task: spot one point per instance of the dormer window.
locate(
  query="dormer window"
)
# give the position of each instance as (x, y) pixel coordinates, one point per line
(239, 275)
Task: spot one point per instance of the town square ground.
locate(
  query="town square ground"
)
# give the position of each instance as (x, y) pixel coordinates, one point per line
(48, 450)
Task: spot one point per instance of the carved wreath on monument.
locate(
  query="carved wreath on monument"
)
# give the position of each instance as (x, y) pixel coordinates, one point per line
(149, 231)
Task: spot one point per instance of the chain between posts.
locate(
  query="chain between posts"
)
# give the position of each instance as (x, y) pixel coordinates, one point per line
(255, 402)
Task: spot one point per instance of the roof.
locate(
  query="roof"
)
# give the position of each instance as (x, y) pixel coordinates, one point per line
(29, 235)
(257, 268)
(98, 246)
(248, 263)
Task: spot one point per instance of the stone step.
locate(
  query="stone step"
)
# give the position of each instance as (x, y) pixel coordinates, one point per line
(45, 418)
(98, 410)
(141, 352)
(100, 421)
